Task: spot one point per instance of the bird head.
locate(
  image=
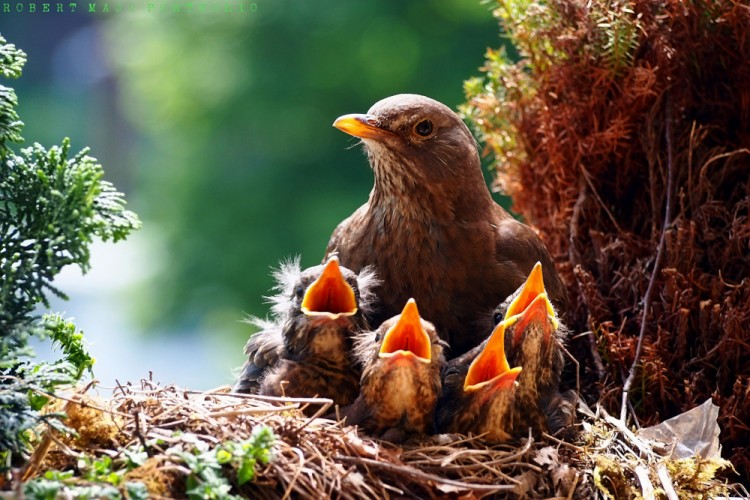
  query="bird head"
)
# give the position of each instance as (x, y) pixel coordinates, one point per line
(480, 390)
(414, 141)
(407, 337)
(329, 296)
(490, 368)
(530, 307)
(534, 336)
(320, 308)
(402, 339)
(401, 365)
(328, 293)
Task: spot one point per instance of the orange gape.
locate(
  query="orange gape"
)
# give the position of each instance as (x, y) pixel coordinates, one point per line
(491, 365)
(407, 335)
(330, 293)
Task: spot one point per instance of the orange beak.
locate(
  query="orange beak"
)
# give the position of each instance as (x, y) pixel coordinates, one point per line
(540, 313)
(330, 295)
(363, 126)
(407, 337)
(533, 287)
(491, 367)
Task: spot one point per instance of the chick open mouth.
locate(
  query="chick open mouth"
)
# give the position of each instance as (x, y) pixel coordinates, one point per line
(330, 294)
(491, 367)
(407, 338)
(532, 289)
(538, 314)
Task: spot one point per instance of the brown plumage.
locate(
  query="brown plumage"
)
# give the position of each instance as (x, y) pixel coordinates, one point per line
(535, 343)
(479, 395)
(479, 392)
(430, 227)
(400, 385)
(305, 350)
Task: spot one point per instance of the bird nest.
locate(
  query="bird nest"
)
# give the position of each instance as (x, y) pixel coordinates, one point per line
(181, 435)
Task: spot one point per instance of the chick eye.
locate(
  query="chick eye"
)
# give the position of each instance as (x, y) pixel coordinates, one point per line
(497, 317)
(377, 337)
(452, 376)
(299, 291)
(423, 128)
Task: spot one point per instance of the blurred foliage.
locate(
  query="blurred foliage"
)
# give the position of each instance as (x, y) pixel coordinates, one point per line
(51, 208)
(240, 166)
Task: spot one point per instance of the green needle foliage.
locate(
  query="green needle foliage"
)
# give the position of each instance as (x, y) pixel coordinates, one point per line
(52, 206)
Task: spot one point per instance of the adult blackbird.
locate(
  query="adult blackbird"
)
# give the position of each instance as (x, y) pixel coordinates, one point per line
(479, 391)
(305, 350)
(400, 383)
(430, 227)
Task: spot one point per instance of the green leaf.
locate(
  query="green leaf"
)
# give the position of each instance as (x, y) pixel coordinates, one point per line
(136, 490)
(42, 489)
(55, 475)
(12, 59)
(37, 401)
(223, 456)
(134, 458)
(63, 334)
(52, 207)
(246, 472)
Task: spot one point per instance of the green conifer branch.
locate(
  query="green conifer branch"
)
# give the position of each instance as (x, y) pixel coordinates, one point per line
(52, 206)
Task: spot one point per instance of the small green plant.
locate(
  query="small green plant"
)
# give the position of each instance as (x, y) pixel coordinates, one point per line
(617, 40)
(57, 484)
(207, 477)
(99, 470)
(95, 477)
(245, 455)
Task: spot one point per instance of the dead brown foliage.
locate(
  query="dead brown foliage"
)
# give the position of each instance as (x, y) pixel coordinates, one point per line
(589, 168)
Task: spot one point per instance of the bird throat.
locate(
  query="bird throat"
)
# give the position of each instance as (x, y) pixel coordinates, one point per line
(401, 195)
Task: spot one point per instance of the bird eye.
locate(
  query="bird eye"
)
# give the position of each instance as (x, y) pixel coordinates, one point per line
(497, 317)
(423, 128)
(452, 377)
(377, 337)
(299, 291)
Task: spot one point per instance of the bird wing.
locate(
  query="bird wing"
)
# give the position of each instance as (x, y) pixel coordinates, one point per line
(264, 347)
(519, 247)
(560, 409)
(263, 351)
(343, 240)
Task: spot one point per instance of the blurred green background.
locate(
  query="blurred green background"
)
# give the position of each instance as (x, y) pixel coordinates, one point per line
(218, 128)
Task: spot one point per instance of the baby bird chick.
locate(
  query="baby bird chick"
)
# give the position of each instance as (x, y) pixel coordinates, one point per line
(400, 383)
(535, 343)
(479, 391)
(306, 349)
